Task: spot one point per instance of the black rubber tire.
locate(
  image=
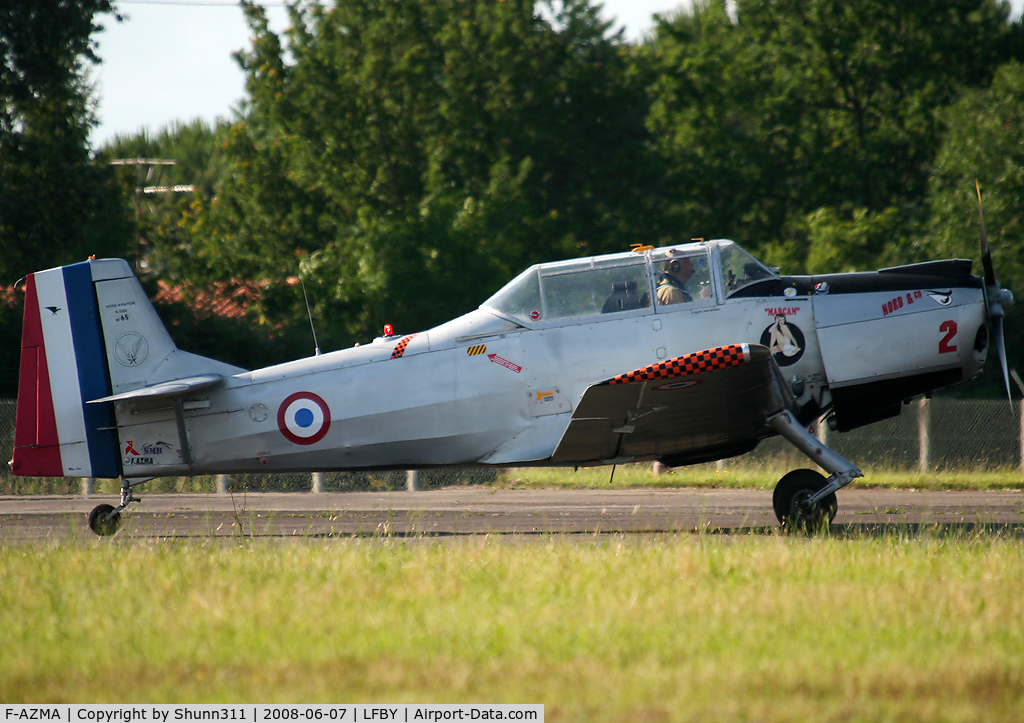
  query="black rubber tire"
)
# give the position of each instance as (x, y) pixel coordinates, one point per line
(791, 490)
(102, 522)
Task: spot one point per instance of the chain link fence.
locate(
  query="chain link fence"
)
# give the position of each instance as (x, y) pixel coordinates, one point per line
(936, 434)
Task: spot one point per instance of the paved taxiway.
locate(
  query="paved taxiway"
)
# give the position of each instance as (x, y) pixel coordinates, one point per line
(481, 510)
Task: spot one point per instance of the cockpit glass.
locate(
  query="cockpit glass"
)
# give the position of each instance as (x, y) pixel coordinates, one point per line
(520, 298)
(624, 282)
(683, 274)
(740, 269)
(581, 287)
(594, 286)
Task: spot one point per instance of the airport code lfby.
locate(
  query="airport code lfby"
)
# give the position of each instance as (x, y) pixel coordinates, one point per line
(533, 713)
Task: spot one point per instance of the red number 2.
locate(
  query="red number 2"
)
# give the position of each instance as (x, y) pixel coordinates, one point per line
(950, 328)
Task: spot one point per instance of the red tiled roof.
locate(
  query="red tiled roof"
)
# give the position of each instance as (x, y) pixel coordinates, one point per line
(12, 295)
(229, 299)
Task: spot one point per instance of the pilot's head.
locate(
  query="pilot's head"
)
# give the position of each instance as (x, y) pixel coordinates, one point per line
(681, 268)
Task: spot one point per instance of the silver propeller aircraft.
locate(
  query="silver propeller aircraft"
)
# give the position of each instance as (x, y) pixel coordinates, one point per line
(682, 354)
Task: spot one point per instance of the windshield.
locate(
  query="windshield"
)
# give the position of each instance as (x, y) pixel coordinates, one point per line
(739, 268)
(520, 298)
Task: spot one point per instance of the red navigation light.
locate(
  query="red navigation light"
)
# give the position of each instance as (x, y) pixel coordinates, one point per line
(389, 330)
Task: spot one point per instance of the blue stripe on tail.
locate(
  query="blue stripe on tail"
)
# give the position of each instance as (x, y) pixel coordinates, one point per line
(93, 375)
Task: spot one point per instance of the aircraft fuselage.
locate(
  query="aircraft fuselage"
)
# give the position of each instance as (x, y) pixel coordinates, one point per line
(485, 389)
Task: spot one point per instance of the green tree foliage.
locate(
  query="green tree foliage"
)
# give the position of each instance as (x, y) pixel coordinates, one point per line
(56, 206)
(985, 142)
(775, 110)
(408, 158)
(841, 240)
(167, 228)
(196, 150)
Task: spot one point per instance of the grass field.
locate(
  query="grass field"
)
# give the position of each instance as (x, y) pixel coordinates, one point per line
(748, 477)
(676, 628)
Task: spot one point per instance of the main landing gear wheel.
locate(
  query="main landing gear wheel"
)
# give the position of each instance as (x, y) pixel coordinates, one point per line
(791, 505)
(104, 521)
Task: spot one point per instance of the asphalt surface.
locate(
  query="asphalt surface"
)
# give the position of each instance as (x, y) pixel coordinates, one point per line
(463, 511)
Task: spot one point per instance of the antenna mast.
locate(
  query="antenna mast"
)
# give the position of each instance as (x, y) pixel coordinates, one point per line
(316, 344)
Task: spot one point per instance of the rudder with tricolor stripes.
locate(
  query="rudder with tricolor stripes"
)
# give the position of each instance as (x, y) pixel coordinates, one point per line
(63, 365)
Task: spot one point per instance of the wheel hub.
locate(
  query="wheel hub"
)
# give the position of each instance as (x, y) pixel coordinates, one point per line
(803, 509)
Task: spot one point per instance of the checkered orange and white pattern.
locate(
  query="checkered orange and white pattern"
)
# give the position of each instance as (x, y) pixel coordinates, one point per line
(400, 347)
(708, 360)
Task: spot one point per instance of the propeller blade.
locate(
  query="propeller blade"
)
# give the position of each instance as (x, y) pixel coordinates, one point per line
(986, 253)
(997, 341)
(996, 300)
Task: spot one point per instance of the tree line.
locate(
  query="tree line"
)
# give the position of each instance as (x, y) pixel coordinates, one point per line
(406, 159)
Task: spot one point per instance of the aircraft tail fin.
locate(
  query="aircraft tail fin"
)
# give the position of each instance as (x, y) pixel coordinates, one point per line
(89, 332)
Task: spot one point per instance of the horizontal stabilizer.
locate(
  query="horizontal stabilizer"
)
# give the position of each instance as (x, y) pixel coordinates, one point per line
(166, 389)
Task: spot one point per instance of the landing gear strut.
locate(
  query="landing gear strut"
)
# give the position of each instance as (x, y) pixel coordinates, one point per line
(104, 519)
(804, 499)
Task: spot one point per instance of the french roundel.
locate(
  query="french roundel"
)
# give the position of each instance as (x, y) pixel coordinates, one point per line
(304, 418)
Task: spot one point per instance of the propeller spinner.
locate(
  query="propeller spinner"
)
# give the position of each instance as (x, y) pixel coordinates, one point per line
(997, 300)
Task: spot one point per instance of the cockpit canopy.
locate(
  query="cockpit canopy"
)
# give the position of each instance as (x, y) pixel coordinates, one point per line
(657, 279)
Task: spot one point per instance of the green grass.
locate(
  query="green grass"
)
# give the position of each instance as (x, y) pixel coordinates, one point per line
(745, 477)
(896, 627)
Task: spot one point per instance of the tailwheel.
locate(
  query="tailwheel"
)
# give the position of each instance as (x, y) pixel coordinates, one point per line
(791, 501)
(104, 520)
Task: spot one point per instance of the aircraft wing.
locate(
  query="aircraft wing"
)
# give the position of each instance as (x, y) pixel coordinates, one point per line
(698, 407)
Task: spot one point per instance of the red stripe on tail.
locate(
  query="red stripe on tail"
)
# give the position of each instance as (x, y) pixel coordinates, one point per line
(36, 444)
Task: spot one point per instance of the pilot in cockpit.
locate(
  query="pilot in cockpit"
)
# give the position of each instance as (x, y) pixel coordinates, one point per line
(675, 275)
